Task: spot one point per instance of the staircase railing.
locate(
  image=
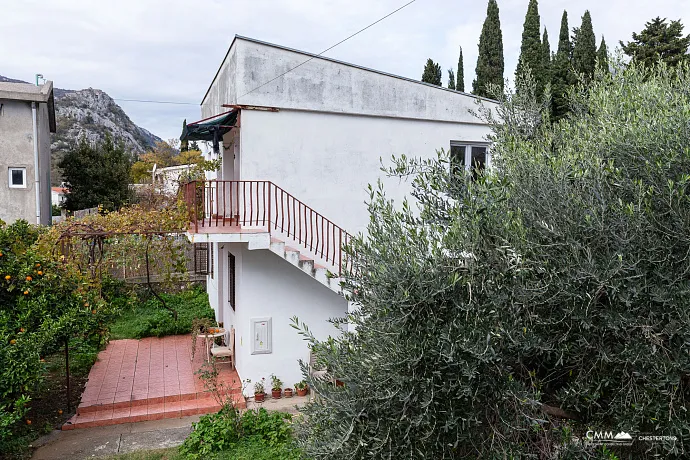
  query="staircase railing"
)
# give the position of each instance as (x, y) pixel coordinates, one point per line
(253, 204)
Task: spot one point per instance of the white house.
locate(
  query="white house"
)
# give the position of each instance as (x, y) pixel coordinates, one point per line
(57, 195)
(167, 180)
(298, 152)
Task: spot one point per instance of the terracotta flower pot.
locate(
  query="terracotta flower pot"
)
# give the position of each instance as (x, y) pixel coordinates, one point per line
(287, 392)
(302, 392)
(259, 397)
(275, 394)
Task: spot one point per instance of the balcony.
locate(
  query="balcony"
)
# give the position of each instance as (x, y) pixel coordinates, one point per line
(239, 207)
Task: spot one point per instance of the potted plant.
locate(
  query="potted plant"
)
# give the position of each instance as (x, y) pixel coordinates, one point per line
(259, 392)
(301, 388)
(276, 387)
(287, 392)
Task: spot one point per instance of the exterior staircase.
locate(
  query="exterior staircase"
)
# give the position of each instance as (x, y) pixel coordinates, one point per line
(267, 217)
(307, 263)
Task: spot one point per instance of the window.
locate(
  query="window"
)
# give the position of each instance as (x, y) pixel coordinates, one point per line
(201, 262)
(470, 157)
(231, 280)
(17, 177)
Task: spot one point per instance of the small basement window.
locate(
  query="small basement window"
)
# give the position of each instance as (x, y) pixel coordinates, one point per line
(470, 157)
(17, 177)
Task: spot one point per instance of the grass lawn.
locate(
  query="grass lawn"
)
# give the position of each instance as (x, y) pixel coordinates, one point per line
(148, 318)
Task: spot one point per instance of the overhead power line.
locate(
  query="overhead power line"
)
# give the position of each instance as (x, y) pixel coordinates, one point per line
(330, 48)
(156, 102)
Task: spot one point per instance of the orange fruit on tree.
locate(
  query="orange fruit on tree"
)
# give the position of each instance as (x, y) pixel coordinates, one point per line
(12, 342)
(28, 278)
(26, 292)
(38, 265)
(40, 272)
(60, 412)
(93, 312)
(21, 329)
(8, 277)
(28, 422)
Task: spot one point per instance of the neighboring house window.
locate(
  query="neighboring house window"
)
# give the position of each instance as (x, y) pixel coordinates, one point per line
(469, 157)
(17, 177)
(231, 280)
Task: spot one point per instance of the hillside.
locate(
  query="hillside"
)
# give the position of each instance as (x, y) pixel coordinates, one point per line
(92, 113)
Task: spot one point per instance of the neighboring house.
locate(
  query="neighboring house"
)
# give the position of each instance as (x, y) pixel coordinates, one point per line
(27, 117)
(167, 180)
(298, 153)
(57, 195)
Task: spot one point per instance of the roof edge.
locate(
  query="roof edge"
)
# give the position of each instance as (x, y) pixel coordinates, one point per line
(349, 64)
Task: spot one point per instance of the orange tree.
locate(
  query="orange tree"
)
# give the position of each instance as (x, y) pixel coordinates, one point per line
(43, 303)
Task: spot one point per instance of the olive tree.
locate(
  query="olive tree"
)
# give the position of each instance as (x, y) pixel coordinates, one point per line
(505, 316)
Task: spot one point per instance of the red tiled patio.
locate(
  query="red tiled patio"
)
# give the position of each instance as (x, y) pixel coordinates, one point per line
(149, 379)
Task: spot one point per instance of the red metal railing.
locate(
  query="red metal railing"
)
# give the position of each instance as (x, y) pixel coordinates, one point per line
(262, 204)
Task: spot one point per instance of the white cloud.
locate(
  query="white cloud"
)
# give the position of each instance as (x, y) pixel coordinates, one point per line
(171, 49)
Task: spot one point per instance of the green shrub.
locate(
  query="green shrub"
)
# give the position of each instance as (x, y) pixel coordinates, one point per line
(227, 430)
(517, 310)
(150, 319)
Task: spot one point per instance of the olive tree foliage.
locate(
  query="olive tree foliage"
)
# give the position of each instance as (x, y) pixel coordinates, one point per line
(504, 317)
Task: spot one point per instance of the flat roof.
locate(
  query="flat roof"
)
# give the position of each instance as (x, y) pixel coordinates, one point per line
(26, 91)
(317, 56)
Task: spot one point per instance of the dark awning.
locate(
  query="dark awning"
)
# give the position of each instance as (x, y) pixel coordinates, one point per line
(208, 128)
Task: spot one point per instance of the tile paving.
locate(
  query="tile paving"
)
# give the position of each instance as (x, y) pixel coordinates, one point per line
(149, 379)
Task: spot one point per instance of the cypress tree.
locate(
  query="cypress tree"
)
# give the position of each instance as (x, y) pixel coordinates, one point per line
(432, 73)
(184, 144)
(603, 55)
(531, 51)
(585, 48)
(451, 79)
(546, 57)
(561, 72)
(490, 63)
(658, 41)
(460, 77)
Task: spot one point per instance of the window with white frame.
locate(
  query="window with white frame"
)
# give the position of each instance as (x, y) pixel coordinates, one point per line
(17, 177)
(473, 157)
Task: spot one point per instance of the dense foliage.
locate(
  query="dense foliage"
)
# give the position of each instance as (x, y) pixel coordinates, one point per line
(43, 303)
(228, 431)
(145, 318)
(96, 174)
(511, 314)
(490, 62)
(432, 73)
(658, 41)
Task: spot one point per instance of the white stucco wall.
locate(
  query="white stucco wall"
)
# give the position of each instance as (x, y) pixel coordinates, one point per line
(327, 160)
(268, 286)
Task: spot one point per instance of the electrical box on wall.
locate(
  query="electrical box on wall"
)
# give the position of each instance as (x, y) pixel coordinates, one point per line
(262, 340)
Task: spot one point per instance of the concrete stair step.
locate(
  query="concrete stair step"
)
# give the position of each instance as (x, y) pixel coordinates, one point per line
(149, 411)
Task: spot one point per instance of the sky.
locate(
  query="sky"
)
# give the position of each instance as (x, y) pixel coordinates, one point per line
(170, 50)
